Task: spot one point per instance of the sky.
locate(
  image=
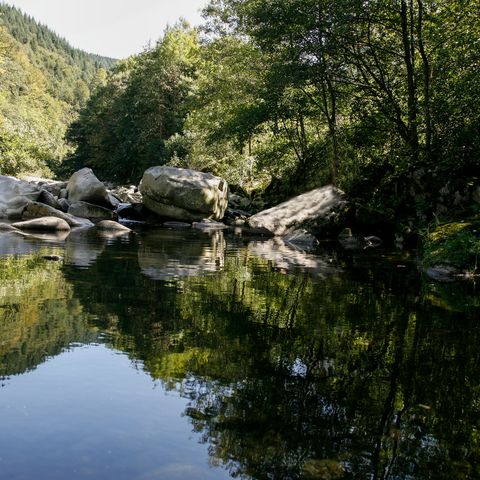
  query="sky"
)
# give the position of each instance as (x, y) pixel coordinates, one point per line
(113, 28)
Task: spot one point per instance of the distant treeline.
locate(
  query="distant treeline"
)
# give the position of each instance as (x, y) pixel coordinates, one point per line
(43, 83)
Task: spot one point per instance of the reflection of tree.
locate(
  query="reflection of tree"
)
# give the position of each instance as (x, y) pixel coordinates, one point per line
(354, 376)
(38, 315)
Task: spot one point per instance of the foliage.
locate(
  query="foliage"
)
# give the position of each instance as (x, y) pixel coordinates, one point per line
(380, 98)
(43, 81)
(124, 127)
(456, 244)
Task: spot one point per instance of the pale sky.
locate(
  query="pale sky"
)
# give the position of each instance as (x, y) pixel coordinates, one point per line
(114, 28)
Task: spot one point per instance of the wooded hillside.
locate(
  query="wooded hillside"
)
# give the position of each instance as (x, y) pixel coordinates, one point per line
(43, 83)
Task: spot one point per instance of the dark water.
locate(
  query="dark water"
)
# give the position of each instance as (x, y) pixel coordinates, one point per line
(183, 355)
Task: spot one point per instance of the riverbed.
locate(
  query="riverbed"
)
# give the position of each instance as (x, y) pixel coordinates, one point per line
(180, 354)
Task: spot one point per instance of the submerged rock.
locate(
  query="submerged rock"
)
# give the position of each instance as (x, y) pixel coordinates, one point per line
(183, 194)
(44, 223)
(309, 208)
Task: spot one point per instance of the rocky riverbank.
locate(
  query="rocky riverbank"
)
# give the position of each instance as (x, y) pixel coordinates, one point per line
(180, 198)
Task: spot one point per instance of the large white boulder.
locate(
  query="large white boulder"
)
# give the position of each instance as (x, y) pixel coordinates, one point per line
(309, 208)
(84, 186)
(184, 194)
(15, 195)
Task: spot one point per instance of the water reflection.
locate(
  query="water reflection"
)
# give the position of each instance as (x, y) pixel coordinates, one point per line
(83, 246)
(358, 372)
(167, 254)
(288, 258)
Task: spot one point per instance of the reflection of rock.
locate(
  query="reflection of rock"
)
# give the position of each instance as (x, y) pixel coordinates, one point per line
(13, 243)
(301, 239)
(83, 246)
(443, 273)
(167, 254)
(287, 258)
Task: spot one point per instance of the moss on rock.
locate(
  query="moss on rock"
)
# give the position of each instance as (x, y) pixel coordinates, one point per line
(455, 243)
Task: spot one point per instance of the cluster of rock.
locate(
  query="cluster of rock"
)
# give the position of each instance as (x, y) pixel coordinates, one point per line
(173, 197)
(40, 204)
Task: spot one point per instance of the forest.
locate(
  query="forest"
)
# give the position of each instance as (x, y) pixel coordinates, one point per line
(276, 96)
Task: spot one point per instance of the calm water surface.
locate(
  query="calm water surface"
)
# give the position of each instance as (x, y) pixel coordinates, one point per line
(192, 355)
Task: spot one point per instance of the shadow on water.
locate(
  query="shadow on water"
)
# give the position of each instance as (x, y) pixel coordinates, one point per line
(295, 365)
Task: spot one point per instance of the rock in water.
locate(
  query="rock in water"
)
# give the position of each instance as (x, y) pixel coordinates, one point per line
(44, 223)
(184, 194)
(310, 207)
(90, 211)
(111, 226)
(38, 210)
(15, 195)
(84, 186)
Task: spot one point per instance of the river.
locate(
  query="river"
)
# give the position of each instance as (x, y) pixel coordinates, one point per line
(204, 355)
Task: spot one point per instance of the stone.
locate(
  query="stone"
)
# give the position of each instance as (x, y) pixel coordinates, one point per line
(15, 195)
(84, 186)
(37, 210)
(52, 186)
(111, 226)
(299, 211)
(63, 204)
(185, 195)
(238, 202)
(235, 217)
(63, 193)
(90, 211)
(129, 194)
(44, 223)
(114, 201)
(48, 199)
